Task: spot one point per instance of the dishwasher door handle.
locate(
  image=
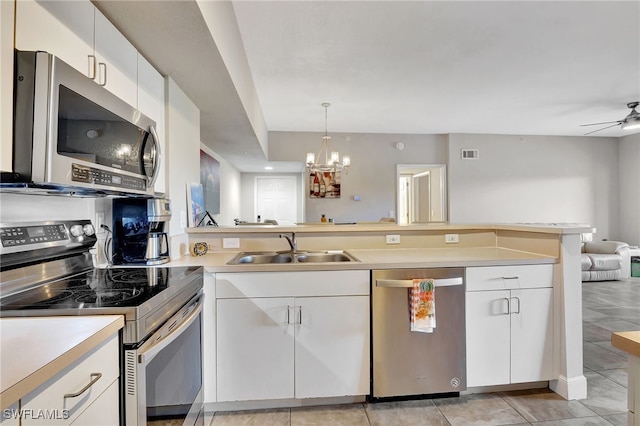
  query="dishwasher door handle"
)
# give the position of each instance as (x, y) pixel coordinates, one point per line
(442, 282)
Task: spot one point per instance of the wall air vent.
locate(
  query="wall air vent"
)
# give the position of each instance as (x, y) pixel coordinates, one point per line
(469, 154)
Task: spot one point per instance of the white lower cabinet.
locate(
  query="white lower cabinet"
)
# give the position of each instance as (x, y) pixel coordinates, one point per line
(292, 335)
(509, 321)
(85, 393)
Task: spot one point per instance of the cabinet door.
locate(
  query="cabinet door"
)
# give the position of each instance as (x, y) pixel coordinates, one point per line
(255, 347)
(104, 410)
(488, 338)
(151, 104)
(531, 335)
(332, 346)
(62, 28)
(117, 61)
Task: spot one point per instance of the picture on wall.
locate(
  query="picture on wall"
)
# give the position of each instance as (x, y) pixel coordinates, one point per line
(195, 203)
(324, 184)
(210, 180)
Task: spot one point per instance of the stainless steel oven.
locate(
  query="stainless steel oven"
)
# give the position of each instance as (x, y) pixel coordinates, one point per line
(71, 132)
(47, 271)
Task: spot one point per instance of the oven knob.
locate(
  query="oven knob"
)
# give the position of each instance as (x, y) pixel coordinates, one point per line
(76, 230)
(88, 229)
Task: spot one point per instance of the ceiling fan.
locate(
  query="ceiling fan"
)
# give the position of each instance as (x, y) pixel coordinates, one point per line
(631, 121)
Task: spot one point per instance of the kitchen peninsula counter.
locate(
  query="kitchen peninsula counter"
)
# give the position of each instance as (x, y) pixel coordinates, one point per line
(392, 246)
(33, 350)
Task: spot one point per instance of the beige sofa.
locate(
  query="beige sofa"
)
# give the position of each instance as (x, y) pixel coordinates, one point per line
(605, 260)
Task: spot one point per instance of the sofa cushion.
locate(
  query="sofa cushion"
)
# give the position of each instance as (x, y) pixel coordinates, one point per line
(605, 262)
(586, 262)
(601, 275)
(604, 247)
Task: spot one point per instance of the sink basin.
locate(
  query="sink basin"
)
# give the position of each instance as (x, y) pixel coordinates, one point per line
(261, 258)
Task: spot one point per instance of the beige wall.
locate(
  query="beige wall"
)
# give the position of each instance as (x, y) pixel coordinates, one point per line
(535, 179)
(372, 175)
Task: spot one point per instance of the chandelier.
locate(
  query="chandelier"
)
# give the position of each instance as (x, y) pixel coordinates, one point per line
(331, 158)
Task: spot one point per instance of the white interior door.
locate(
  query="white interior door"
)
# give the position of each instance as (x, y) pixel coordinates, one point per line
(276, 198)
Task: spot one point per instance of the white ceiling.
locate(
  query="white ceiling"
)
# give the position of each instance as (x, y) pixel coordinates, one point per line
(500, 67)
(505, 67)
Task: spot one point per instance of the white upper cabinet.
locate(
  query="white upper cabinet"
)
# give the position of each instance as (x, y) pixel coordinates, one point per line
(151, 103)
(62, 28)
(117, 60)
(80, 35)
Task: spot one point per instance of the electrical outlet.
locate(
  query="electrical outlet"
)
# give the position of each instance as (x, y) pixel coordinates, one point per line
(99, 222)
(231, 243)
(393, 239)
(451, 238)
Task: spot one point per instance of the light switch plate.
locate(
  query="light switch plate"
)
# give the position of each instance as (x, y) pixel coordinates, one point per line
(231, 243)
(393, 239)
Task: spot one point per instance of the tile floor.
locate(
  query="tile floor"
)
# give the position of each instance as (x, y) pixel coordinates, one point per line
(607, 306)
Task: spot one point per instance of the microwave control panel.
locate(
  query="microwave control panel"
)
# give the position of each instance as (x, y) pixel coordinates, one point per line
(96, 176)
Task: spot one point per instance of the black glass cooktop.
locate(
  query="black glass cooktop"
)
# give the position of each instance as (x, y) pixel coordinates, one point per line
(99, 288)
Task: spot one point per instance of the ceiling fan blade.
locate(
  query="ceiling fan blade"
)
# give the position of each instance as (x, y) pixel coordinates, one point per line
(604, 128)
(598, 124)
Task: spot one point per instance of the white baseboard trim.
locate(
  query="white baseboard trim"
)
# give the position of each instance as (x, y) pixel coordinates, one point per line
(570, 389)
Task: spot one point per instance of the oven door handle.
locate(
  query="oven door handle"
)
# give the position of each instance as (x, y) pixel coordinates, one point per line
(145, 355)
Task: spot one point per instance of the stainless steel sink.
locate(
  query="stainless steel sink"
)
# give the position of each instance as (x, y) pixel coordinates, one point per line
(261, 258)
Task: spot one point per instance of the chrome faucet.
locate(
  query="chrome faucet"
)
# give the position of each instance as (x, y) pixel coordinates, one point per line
(292, 241)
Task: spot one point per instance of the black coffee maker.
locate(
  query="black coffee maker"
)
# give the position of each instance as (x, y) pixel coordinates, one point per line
(139, 235)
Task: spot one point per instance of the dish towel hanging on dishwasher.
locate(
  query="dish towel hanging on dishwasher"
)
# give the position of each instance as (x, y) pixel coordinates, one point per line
(422, 305)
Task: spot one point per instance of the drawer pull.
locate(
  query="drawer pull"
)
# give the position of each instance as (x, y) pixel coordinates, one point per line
(511, 278)
(95, 378)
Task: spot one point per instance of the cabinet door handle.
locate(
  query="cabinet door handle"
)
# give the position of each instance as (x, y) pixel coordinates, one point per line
(300, 315)
(518, 299)
(103, 73)
(508, 311)
(95, 378)
(92, 67)
(511, 278)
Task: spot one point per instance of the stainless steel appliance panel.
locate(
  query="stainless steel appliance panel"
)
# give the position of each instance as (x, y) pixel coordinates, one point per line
(71, 132)
(411, 363)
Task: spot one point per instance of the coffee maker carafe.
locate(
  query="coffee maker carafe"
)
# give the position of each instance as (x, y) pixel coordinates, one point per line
(139, 231)
(158, 213)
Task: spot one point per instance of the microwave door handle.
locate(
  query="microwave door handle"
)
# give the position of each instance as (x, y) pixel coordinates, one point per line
(148, 354)
(158, 156)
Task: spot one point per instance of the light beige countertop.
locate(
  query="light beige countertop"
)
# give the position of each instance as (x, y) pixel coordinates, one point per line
(32, 350)
(379, 259)
(628, 341)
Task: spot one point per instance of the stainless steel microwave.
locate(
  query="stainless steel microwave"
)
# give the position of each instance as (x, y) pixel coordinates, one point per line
(70, 132)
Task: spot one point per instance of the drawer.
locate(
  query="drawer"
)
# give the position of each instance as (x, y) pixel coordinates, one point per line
(49, 399)
(292, 284)
(509, 277)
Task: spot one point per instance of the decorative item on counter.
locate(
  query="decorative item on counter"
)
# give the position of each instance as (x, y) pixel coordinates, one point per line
(323, 219)
(210, 220)
(258, 220)
(199, 249)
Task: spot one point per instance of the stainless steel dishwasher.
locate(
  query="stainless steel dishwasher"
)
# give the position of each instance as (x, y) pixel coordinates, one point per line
(407, 363)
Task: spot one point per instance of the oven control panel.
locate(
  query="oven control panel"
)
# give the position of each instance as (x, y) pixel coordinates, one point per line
(17, 237)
